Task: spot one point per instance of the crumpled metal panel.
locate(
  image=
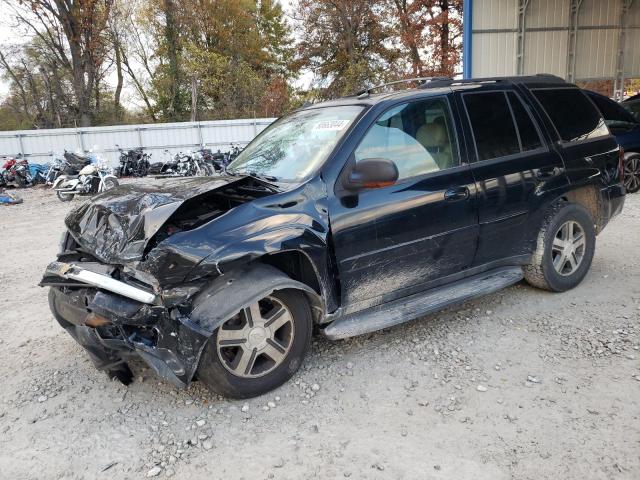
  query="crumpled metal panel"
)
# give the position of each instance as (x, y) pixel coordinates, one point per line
(116, 225)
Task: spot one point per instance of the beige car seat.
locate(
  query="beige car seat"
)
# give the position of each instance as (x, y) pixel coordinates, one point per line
(433, 136)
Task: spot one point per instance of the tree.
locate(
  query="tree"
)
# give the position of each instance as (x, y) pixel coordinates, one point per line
(228, 54)
(445, 25)
(430, 32)
(411, 18)
(74, 34)
(346, 44)
(40, 90)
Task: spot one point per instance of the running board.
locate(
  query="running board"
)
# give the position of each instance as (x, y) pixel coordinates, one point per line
(419, 304)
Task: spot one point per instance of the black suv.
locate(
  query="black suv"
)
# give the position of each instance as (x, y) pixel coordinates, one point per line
(351, 215)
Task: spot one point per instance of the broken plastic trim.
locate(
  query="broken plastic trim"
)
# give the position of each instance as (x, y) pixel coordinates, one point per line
(70, 271)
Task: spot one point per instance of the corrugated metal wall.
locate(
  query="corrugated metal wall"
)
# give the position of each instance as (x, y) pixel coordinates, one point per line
(632, 42)
(545, 50)
(546, 46)
(494, 46)
(38, 145)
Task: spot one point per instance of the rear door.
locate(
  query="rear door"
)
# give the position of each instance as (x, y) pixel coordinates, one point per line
(514, 167)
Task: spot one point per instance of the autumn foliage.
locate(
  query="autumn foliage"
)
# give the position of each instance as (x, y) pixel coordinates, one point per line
(90, 62)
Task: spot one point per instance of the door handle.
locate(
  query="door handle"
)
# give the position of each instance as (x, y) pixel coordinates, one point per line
(456, 193)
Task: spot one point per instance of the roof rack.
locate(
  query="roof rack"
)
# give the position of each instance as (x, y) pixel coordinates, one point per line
(423, 80)
(538, 78)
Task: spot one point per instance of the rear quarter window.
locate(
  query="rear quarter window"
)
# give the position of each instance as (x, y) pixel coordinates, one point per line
(572, 113)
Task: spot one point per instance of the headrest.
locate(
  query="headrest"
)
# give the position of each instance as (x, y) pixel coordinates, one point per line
(432, 135)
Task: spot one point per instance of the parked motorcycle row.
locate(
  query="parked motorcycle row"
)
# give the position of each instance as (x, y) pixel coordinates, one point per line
(85, 174)
(203, 162)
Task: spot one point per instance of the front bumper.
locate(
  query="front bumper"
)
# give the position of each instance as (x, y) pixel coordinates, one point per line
(73, 272)
(113, 328)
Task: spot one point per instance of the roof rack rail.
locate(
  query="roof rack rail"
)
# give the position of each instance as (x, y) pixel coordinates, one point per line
(537, 78)
(423, 80)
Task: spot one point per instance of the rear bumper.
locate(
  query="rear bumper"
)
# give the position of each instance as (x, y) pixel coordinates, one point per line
(113, 329)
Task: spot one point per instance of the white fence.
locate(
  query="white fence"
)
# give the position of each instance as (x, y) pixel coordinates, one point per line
(38, 146)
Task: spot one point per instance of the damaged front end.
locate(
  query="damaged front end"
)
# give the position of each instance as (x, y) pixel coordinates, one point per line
(119, 285)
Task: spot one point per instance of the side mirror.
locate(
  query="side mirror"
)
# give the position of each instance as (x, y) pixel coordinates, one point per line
(371, 173)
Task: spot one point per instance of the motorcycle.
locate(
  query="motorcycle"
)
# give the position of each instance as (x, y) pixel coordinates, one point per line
(197, 166)
(233, 153)
(217, 160)
(183, 165)
(15, 173)
(133, 163)
(70, 164)
(168, 167)
(92, 179)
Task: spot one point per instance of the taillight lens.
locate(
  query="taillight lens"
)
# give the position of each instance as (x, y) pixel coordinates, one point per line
(621, 165)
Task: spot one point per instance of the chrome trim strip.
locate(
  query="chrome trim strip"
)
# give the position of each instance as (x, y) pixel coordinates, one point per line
(105, 282)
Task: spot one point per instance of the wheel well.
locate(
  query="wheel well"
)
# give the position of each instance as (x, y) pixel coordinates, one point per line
(588, 196)
(297, 266)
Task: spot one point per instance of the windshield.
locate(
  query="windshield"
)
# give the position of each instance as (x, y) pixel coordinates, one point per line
(295, 146)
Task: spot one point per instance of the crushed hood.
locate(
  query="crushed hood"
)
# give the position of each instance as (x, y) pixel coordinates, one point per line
(116, 225)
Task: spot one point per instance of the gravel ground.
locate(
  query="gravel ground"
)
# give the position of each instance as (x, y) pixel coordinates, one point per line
(522, 384)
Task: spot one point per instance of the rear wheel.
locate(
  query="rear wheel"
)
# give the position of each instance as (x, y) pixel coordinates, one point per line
(260, 348)
(565, 248)
(632, 172)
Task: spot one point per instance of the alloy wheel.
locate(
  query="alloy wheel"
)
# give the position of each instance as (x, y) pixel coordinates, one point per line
(257, 340)
(567, 250)
(632, 174)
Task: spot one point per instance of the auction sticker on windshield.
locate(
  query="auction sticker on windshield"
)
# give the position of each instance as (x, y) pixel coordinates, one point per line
(332, 125)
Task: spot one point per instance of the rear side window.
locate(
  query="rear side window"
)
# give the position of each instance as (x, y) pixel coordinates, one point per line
(573, 115)
(529, 136)
(492, 124)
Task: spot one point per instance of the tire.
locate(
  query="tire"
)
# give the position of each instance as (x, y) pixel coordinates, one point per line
(65, 197)
(110, 183)
(219, 358)
(207, 169)
(557, 268)
(632, 172)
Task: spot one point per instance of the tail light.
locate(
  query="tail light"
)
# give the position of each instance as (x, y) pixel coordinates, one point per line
(621, 165)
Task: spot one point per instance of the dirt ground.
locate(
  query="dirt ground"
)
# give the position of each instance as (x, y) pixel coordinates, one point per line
(522, 384)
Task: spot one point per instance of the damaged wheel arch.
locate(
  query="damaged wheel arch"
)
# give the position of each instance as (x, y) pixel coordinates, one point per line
(228, 294)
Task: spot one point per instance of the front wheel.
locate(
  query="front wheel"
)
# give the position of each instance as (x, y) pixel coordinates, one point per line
(632, 172)
(260, 348)
(109, 183)
(64, 197)
(206, 170)
(565, 247)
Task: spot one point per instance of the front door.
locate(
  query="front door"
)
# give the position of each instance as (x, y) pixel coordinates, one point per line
(396, 240)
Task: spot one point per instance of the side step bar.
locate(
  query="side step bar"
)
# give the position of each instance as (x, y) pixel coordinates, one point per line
(417, 305)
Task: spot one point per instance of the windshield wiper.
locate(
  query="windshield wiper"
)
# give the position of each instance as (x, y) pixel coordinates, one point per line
(268, 178)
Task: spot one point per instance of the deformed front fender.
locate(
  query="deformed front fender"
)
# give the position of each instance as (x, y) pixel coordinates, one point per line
(230, 293)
